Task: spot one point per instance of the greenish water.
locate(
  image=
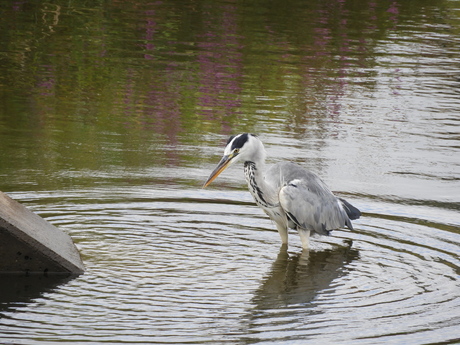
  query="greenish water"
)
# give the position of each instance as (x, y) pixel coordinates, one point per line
(113, 114)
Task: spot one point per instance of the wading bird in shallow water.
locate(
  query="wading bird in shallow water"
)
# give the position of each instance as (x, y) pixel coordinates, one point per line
(290, 195)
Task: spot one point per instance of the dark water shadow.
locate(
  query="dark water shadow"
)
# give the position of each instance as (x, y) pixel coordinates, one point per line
(297, 278)
(20, 289)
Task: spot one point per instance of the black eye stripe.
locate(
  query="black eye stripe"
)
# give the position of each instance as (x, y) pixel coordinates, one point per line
(240, 141)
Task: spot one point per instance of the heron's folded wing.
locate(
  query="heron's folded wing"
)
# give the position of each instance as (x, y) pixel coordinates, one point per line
(312, 206)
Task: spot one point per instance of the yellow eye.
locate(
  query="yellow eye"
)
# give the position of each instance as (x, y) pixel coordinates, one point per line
(236, 151)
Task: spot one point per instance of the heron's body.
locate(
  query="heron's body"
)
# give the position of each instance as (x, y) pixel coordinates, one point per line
(290, 195)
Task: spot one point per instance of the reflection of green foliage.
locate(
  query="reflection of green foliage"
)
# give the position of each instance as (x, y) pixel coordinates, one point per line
(95, 84)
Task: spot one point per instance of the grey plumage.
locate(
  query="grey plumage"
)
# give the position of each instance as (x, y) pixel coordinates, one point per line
(290, 195)
(305, 196)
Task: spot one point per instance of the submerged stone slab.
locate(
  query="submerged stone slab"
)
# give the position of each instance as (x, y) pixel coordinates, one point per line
(28, 243)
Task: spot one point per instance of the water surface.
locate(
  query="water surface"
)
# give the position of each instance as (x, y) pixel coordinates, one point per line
(112, 116)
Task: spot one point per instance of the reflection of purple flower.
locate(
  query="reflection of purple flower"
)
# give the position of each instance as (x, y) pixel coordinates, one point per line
(393, 8)
(150, 29)
(220, 64)
(339, 50)
(17, 5)
(47, 84)
(47, 81)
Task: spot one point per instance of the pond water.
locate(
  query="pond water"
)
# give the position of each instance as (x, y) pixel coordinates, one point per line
(113, 114)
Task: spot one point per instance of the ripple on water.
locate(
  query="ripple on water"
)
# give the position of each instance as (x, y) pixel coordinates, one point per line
(164, 266)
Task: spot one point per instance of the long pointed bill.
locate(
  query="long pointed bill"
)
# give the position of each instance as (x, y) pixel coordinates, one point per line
(223, 164)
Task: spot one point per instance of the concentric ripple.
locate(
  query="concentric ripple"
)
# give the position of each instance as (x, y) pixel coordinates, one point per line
(177, 266)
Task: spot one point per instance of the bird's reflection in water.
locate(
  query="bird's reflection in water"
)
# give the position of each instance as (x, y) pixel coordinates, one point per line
(297, 278)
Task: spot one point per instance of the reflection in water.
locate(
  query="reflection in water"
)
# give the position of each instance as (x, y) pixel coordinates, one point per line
(220, 67)
(19, 289)
(110, 112)
(296, 279)
(286, 298)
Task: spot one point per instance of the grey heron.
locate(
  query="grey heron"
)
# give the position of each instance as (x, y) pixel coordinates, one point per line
(290, 195)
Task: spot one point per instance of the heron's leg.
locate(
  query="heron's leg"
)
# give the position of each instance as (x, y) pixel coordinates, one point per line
(304, 258)
(304, 237)
(283, 231)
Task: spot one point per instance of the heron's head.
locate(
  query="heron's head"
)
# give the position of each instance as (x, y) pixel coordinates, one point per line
(242, 147)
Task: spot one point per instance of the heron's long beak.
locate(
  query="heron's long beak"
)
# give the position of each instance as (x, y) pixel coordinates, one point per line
(223, 164)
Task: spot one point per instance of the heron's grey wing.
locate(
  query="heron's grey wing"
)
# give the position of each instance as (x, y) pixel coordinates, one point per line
(311, 205)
